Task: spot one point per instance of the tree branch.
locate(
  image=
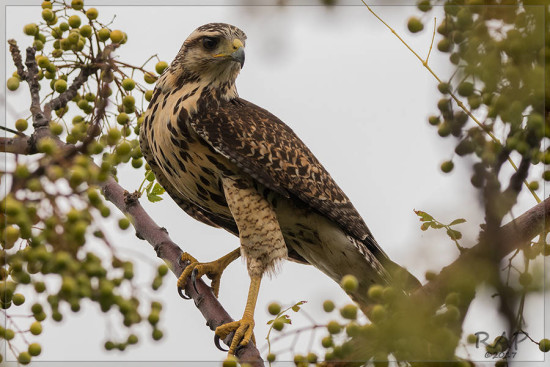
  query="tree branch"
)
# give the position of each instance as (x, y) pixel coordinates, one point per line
(514, 235)
(15, 145)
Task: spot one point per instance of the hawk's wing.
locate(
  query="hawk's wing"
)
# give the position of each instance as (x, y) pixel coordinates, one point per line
(269, 151)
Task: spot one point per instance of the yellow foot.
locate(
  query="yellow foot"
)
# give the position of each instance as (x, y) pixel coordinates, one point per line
(243, 333)
(213, 270)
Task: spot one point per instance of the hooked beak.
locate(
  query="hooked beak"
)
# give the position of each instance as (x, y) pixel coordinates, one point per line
(239, 56)
(235, 53)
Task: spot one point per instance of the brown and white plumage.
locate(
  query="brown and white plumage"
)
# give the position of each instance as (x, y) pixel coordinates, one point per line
(232, 164)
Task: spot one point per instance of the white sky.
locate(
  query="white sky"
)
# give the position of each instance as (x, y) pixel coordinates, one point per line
(360, 100)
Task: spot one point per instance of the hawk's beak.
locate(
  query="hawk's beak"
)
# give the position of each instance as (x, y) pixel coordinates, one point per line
(239, 56)
(235, 53)
(238, 53)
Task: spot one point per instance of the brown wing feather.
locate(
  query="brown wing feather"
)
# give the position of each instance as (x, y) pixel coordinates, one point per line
(267, 149)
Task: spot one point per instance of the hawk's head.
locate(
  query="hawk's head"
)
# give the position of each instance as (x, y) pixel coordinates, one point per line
(214, 53)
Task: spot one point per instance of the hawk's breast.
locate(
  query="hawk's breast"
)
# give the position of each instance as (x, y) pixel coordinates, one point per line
(193, 168)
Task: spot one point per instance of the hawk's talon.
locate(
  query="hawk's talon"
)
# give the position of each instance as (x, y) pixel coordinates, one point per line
(217, 343)
(194, 274)
(182, 294)
(243, 333)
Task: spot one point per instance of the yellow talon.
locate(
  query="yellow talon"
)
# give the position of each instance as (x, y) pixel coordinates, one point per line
(213, 270)
(244, 327)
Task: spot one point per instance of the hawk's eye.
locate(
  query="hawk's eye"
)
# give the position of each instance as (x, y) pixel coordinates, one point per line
(210, 43)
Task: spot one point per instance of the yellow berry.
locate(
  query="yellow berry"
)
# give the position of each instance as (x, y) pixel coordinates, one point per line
(415, 25)
(74, 21)
(349, 283)
(24, 358)
(544, 345)
(60, 86)
(149, 95)
(116, 36)
(30, 29)
(161, 66)
(128, 84)
(21, 125)
(103, 34)
(149, 78)
(328, 306)
(86, 31)
(77, 4)
(35, 349)
(92, 13)
(13, 83)
(36, 328)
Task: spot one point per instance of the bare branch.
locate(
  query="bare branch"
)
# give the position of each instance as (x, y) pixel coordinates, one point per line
(38, 117)
(17, 60)
(16, 145)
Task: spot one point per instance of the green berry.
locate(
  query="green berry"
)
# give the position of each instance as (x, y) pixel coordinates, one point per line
(60, 86)
(48, 15)
(161, 66)
(378, 312)
(18, 299)
(274, 308)
(128, 84)
(24, 358)
(123, 148)
(86, 31)
(77, 4)
(36, 328)
(271, 357)
(123, 223)
(544, 345)
(375, 292)
(415, 25)
(148, 95)
(447, 166)
(349, 283)
(35, 349)
(149, 78)
(92, 13)
(123, 118)
(230, 361)
(74, 21)
(13, 83)
(465, 89)
(103, 34)
(132, 339)
(349, 312)
(327, 342)
(30, 29)
(128, 101)
(334, 327)
(157, 334)
(278, 324)
(472, 338)
(328, 306)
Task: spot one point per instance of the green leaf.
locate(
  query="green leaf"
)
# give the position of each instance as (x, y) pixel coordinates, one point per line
(424, 217)
(153, 198)
(436, 225)
(455, 235)
(157, 189)
(425, 226)
(457, 221)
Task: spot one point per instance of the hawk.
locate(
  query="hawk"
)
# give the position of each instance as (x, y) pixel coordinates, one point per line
(231, 164)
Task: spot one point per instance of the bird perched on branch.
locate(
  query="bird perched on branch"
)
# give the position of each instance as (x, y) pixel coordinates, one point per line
(231, 164)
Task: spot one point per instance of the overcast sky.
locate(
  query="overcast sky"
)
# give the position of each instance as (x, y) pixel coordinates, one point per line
(360, 100)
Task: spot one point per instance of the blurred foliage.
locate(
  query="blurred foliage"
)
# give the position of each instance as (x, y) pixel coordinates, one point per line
(52, 206)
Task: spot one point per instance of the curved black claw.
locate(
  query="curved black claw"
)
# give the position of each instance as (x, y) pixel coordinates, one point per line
(182, 294)
(194, 279)
(217, 343)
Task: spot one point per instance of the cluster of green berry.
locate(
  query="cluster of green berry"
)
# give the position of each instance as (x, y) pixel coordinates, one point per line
(499, 54)
(49, 216)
